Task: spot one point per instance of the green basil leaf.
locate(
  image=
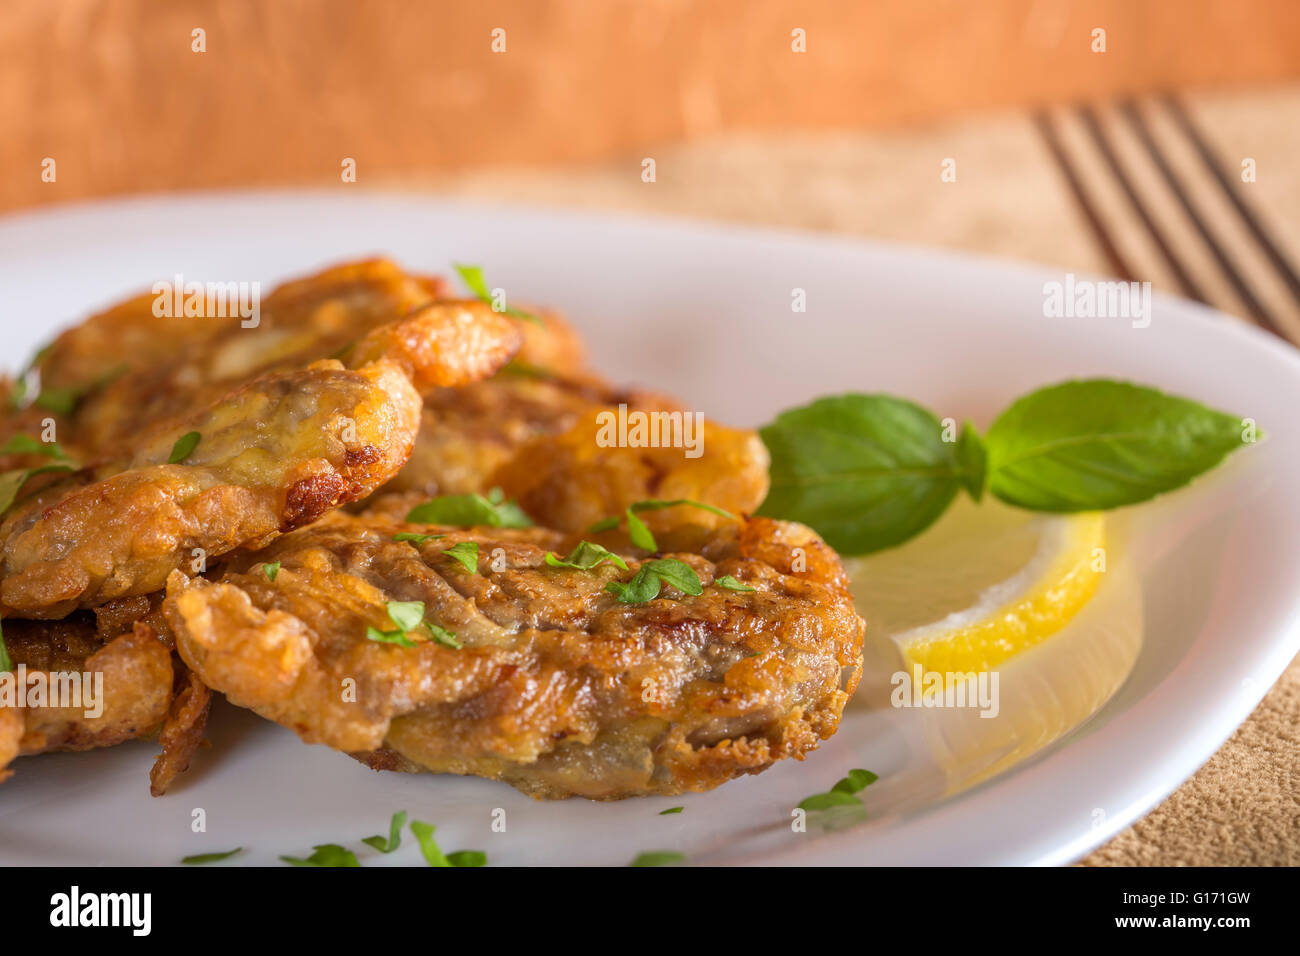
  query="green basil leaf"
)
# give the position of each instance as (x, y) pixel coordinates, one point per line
(664, 813)
(1094, 444)
(585, 557)
(658, 858)
(6, 662)
(184, 447)
(394, 835)
(467, 858)
(864, 471)
(201, 858)
(465, 552)
(679, 574)
(972, 460)
(271, 570)
(731, 584)
(327, 854)
(604, 524)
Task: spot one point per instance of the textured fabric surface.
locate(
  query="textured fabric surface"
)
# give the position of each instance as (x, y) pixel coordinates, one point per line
(1243, 806)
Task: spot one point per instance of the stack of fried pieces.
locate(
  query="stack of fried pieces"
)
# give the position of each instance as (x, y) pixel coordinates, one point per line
(265, 562)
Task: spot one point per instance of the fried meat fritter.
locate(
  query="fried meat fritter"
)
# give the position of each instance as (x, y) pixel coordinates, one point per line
(274, 454)
(126, 369)
(140, 676)
(557, 687)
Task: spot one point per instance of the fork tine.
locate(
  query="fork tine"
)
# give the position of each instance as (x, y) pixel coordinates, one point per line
(1271, 249)
(1192, 289)
(1259, 312)
(1109, 249)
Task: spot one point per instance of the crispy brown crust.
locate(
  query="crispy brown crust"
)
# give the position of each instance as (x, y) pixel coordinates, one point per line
(137, 371)
(182, 732)
(137, 673)
(559, 689)
(145, 688)
(273, 456)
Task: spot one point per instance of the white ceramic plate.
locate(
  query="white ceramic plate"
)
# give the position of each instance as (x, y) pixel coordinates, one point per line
(705, 311)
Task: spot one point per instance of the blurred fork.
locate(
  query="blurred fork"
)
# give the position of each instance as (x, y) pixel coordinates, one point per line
(1224, 250)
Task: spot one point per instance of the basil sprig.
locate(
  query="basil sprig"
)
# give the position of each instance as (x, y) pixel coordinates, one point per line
(871, 471)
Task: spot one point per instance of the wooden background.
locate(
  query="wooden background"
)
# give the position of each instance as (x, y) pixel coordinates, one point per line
(114, 93)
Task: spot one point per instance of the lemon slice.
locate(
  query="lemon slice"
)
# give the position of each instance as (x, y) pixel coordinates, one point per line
(985, 583)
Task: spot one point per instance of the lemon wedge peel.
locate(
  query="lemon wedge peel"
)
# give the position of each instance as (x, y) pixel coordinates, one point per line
(1020, 612)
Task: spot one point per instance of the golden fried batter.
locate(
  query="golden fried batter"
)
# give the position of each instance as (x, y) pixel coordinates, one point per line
(274, 454)
(147, 690)
(130, 369)
(557, 688)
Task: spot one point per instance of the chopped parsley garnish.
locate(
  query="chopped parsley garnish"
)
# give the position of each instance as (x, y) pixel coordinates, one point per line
(184, 447)
(731, 584)
(394, 835)
(271, 570)
(11, 482)
(201, 858)
(472, 276)
(416, 539)
(27, 445)
(824, 801)
(397, 637)
(638, 531)
(443, 636)
(664, 813)
(585, 557)
(327, 854)
(60, 400)
(467, 511)
(643, 587)
(658, 504)
(843, 794)
(658, 858)
(409, 616)
(465, 552)
(646, 583)
(520, 369)
(435, 857)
